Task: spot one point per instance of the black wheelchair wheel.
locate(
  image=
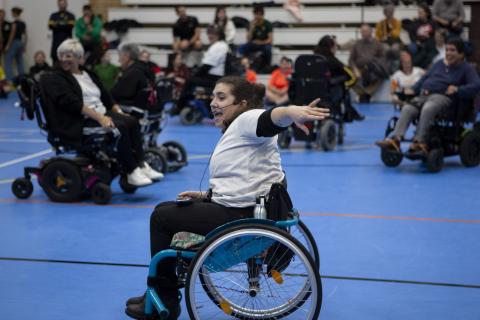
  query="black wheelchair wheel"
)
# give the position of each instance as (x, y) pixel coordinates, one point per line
(176, 155)
(62, 181)
(435, 160)
(470, 150)
(391, 158)
(22, 188)
(341, 133)
(188, 116)
(284, 139)
(125, 186)
(156, 160)
(101, 193)
(327, 137)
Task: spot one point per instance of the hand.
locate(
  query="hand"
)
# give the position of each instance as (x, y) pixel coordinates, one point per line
(106, 122)
(302, 114)
(451, 90)
(191, 195)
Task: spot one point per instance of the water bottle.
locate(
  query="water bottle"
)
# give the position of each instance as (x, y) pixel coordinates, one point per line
(260, 212)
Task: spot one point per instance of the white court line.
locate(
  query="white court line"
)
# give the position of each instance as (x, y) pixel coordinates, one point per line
(15, 161)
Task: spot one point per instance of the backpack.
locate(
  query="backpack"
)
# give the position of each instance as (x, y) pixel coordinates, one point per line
(279, 204)
(233, 65)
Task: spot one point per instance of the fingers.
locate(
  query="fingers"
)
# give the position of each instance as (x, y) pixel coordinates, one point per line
(314, 103)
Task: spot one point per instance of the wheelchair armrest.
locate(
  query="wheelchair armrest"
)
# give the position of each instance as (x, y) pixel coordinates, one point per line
(132, 110)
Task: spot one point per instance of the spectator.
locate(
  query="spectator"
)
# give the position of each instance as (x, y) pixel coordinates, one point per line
(438, 91)
(61, 23)
(259, 38)
(295, 8)
(449, 14)
(17, 42)
(40, 65)
(179, 72)
(5, 28)
(222, 20)
(106, 71)
(186, 31)
(212, 68)
(250, 75)
(153, 68)
(367, 60)
(440, 39)
(277, 88)
(404, 79)
(387, 32)
(87, 29)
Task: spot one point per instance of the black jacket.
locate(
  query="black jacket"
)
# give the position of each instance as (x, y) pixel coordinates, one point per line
(131, 86)
(63, 103)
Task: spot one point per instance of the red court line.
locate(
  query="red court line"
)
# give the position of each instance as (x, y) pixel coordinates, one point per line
(306, 214)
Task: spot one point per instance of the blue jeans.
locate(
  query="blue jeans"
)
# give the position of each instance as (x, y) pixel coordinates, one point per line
(14, 53)
(249, 47)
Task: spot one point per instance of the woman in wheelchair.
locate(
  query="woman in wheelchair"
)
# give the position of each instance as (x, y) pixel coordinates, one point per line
(243, 166)
(438, 92)
(80, 100)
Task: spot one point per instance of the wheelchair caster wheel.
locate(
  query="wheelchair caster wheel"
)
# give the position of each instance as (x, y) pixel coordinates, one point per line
(470, 150)
(327, 138)
(391, 158)
(101, 193)
(126, 187)
(188, 116)
(156, 160)
(22, 188)
(176, 155)
(435, 160)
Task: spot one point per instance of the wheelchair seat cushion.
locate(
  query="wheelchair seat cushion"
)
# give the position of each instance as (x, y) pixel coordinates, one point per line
(187, 241)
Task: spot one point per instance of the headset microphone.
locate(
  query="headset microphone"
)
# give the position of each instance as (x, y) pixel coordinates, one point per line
(210, 114)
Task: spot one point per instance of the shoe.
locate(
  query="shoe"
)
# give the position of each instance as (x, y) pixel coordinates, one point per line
(136, 300)
(150, 173)
(357, 115)
(171, 300)
(138, 178)
(417, 148)
(364, 98)
(393, 144)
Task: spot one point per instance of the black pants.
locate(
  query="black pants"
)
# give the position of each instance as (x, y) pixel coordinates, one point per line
(208, 81)
(199, 217)
(129, 148)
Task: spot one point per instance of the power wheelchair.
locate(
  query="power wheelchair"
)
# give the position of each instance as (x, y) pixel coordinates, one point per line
(198, 108)
(312, 79)
(246, 269)
(64, 178)
(170, 156)
(456, 132)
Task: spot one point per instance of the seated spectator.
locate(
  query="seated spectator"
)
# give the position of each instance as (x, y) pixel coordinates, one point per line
(277, 88)
(367, 60)
(327, 47)
(145, 57)
(222, 20)
(40, 65)
(106, 71)
(449, 14)
(179, 72)
(88, 29)
(295, 8)
(250, 74)
(404, 79)
(421, 31)
(440, 39)
(80, 100)
(387, 32)
(259, 38)
(212, 68)
(186, 31)
(438, 91)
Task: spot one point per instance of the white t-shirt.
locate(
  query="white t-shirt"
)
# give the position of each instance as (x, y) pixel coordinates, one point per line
(215, 56)
(91, 93)
(230, 31)
(244, 166)
(404, 81)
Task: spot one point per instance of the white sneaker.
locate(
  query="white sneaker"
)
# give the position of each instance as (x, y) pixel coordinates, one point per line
(152, 174)
(138, 178)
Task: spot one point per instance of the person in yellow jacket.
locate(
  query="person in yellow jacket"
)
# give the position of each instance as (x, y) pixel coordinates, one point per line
(387, 32)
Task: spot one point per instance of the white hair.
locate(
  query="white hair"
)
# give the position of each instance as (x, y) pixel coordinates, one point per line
(71, 45)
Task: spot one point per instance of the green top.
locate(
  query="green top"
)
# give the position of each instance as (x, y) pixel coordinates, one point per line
(108, 74)
(81, 29)
(260, 32)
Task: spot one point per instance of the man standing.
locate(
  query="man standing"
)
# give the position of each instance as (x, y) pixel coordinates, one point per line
(61, 23)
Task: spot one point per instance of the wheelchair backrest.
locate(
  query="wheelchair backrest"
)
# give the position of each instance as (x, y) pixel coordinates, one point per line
(30, 100)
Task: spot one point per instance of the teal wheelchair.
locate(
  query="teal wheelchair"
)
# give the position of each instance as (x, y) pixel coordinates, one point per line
(246, 269)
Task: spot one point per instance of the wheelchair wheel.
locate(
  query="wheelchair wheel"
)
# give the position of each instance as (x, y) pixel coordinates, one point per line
(253, 272)
(156, 160)
(22, 188)
(435, 160)
(284, 139)
(101, 193)
(62, 181)
(176, 155)
(125, 186)
(302, 234)
(188, 116)
(470, 150)
(391, 158)
(327, 137)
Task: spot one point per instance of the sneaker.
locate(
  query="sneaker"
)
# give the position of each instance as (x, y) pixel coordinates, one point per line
(418, 148)
(150, 173)
(138, 178)
(388, 143)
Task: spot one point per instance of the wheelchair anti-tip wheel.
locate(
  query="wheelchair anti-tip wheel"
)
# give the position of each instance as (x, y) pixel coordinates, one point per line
(253, 272)
(391, 158)
(327, 137)
(156, 160)
(61, 180)
(22, 188)
(176, 155)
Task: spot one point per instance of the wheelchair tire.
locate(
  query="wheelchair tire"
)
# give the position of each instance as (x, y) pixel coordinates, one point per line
(176, 155)
(125, 186)
(284, 139)
(202, 273)
(101, 193)
(156, 159)
(327, 137)
(188, 116)
(22, 188)
(303, 234)
(391, 158)
(62, 181)
(435, 160)
(470, 150)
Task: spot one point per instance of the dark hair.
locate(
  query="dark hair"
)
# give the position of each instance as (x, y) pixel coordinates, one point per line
(457, 43)
(258, 9)
(427, 10)
(286, 59)
(216, 30)
(178, 7)
(17, 10)
(216, 20)
(324, 46)
(87, 7)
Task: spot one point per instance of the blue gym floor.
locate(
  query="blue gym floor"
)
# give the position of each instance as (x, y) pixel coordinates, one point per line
(395, 243)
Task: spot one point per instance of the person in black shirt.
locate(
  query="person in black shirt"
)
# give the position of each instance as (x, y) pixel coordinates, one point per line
(16, 44)
(40, 65)
(186, 32)
(5, 28)
(61, 23)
